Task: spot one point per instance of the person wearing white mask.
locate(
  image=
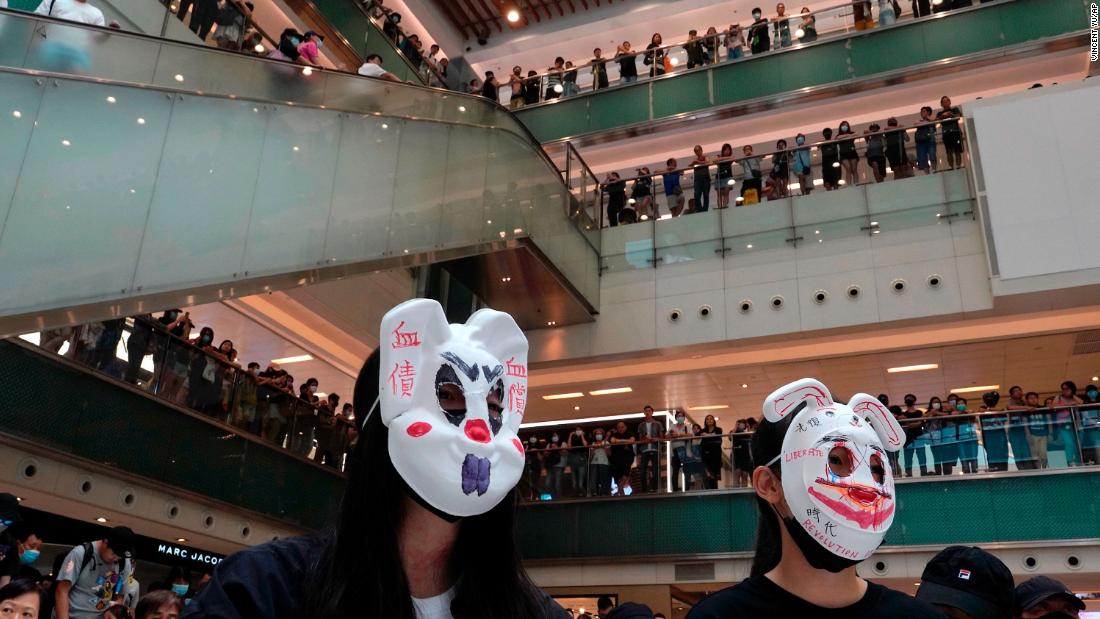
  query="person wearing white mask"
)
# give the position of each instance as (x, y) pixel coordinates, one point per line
(426, 524)
(678, 449)
(826, 499)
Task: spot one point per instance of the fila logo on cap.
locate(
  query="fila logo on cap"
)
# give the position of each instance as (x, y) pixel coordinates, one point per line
(964, 574)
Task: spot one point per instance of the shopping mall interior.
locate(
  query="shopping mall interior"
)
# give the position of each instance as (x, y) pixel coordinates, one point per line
(210, 209)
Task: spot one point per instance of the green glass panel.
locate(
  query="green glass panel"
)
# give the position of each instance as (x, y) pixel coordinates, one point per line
(1034, 19)
(76, 412)
(964, 510)
(889, 50)
(822, 64)
(744, 80)
(623, 106)
(966, 33)
(563, 118)
(682, 93)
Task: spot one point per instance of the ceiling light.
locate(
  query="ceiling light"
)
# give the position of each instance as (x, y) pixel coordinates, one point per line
(708, 407)
(295, 359)
(66, 143)
(462, 108)
(611, 391)
(576, 408)
(1096, 378)
(19, 499)
(551, 323)
(506, 279)
(913, 368)
(973, 389)
(744, 386)
(563, 396)
(17, 114)
(513, 16)
(181, 539)
(111, 99)
(141, 121)
(179, 78)
(101, 519)
(296, 149)
(583, 420)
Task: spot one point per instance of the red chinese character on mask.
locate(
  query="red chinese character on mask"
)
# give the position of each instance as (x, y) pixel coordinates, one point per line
(516, 369)
(517, 398)
(405, 339)
(401, 379)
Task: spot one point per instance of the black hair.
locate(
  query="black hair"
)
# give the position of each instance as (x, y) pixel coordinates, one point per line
(359, 573)
(21, 531)
(909, 396)
(1072, 386)
(253, 364)
(18, 587)
(372, 57)
(604, 602)
(767, 443)
(1031, 393)
(178, 572)
(154, 601)
(1013, 388)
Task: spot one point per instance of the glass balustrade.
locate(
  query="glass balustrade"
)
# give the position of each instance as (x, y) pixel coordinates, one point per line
(891, 178)
(937, 446)
(278, 168)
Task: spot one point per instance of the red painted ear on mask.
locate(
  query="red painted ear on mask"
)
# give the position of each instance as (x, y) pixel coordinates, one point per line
(881, 419)
(785, 400)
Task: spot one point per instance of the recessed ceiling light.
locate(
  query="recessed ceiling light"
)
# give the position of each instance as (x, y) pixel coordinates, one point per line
(101, 519)
(551, 323)
(17, 114)
(295, 359)
(708, 407)
(576, 408)
(181, 539)
(141, 121)
(563, 396)
(513, 16)
(973, 389)
(744, 386)
(179, 78)
(19, 499)
(66, 143)
(913, 368)
(611, 391)
(111, 99)
(1096, 377)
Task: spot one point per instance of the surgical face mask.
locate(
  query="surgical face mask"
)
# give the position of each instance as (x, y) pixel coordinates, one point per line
(937, 406)
(206, 339)
(1092, 393)
(844, 127)
(756, 14)
(29, 556)
(453, 397)
(679, 419)
(835, 475)
(599, 437)
(554, 438)
(180, 590)
(313, 388)
(295, 41)
(960, 406)
(320, 43)
(800, 140)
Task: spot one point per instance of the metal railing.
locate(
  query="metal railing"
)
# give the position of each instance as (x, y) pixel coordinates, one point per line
(204, 378)
(958, 443)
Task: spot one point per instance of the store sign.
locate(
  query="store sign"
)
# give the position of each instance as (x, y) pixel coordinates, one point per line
(187, 554)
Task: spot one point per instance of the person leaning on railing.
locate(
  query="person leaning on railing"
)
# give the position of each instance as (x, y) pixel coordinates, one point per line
(1090, 425)
(599, 465)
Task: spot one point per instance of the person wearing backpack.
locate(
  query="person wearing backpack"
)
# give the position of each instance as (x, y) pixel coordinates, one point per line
(93, 576)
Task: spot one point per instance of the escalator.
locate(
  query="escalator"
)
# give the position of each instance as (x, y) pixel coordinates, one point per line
(137, 172)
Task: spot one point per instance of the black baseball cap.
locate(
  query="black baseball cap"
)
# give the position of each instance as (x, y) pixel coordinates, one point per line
(1040, 588)
(970, 579)
(9, 509)
(121, 541)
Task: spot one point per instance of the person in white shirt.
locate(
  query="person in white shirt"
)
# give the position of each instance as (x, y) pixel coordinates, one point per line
(373, 68)
(72, 10)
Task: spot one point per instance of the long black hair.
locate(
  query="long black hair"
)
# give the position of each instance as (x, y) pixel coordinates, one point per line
(767, 443)
(359, 571)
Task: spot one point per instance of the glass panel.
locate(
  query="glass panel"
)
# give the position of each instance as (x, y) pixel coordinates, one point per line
(293, 191)
(90, 207)
(20, 98)
(64, 48)
(203, 196)
(15, 39)
(418, 194)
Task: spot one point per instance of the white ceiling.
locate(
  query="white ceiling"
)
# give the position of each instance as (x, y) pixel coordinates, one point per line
(1036, 363)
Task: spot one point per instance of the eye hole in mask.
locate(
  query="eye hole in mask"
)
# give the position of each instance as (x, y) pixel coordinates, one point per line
(495, 401)
(449, 392)
(840, 461)
(878, 471)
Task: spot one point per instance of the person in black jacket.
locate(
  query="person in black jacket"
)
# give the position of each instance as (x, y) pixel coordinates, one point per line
(759, 41)
(390, 552)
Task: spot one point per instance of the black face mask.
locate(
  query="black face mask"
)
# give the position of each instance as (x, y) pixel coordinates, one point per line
(816, 554)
